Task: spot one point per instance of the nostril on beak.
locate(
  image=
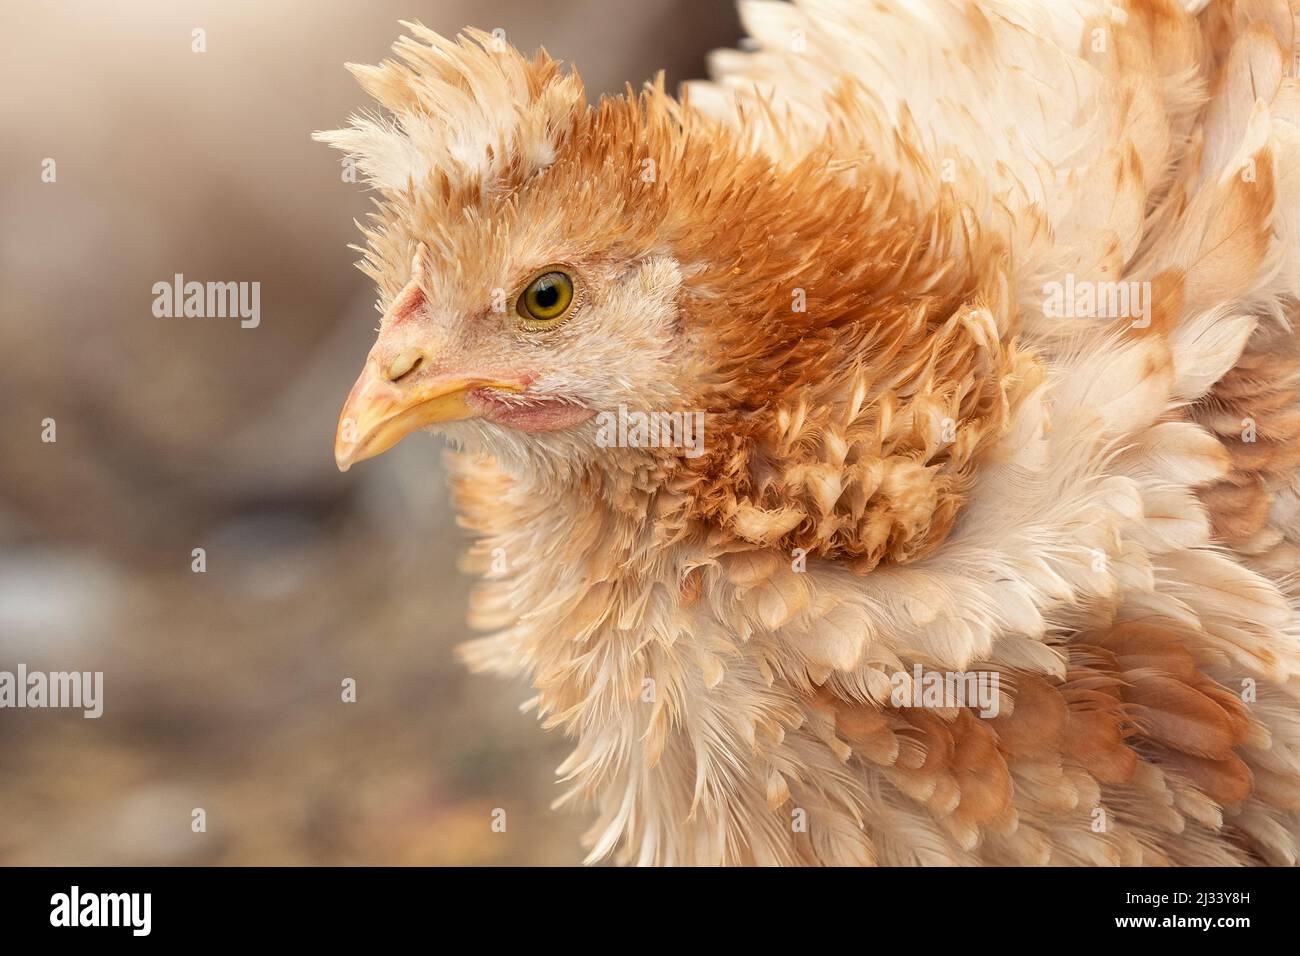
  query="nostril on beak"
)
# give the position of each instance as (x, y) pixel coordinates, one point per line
(405, 364)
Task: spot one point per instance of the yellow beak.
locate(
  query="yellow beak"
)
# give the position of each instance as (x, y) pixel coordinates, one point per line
(379, 413)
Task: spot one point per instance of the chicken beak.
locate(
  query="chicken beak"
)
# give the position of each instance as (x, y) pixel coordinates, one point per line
(379, 412)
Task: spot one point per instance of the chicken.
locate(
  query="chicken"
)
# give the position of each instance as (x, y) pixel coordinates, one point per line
(986, 552)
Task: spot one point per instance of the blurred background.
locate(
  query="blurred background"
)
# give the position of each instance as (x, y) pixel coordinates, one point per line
(223, 688)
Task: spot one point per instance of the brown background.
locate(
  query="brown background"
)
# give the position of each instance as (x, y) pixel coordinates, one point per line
(223, 689)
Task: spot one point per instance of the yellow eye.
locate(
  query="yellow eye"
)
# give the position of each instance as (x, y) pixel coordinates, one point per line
(547, 298)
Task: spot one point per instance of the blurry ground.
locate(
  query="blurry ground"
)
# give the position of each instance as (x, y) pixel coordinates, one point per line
(222, 689)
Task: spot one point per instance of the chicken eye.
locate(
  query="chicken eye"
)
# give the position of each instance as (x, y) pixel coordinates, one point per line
(547, 298)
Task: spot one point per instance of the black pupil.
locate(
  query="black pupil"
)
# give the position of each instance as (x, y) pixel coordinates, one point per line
(548, 294)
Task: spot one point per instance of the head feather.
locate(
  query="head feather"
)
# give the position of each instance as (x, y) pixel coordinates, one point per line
(473, 108)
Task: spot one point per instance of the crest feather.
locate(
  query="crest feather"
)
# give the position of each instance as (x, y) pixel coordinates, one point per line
(473, 108)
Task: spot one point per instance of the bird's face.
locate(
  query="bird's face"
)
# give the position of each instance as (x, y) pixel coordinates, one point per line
(510, 335)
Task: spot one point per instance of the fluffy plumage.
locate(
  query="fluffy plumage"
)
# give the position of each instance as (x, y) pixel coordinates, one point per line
(844, 249)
